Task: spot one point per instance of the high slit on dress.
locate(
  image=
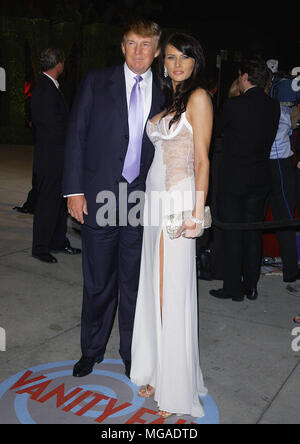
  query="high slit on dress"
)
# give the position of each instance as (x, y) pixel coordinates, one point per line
(165, 351)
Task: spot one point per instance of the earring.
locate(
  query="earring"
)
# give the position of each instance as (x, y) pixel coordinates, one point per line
(165, 72)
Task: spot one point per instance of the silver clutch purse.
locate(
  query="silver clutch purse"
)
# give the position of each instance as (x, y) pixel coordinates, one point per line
(173, 222)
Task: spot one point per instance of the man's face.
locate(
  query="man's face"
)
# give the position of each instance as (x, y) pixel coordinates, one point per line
(60, 67)
(139, 52)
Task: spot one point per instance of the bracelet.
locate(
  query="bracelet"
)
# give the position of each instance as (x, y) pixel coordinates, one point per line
(197, 221)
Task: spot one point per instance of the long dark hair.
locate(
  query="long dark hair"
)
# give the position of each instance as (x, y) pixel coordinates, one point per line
(176, 101)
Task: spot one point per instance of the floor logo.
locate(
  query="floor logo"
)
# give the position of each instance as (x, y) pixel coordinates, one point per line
(49, 394)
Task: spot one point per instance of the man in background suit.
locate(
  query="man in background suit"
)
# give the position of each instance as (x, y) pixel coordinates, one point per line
(249, 124)
(107, 147)
(49, 116)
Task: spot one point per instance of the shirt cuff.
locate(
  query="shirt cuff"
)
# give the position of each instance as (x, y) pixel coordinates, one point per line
(70, 195)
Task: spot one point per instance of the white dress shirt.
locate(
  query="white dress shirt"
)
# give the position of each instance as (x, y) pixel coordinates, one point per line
(53, 80)
(146, 88)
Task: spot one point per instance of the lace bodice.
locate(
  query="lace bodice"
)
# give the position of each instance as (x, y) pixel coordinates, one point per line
(174, 151)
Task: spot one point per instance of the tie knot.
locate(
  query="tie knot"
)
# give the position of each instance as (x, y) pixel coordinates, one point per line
(138, 79)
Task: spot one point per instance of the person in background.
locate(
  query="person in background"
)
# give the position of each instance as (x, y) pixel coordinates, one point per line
(28, 206)
(234, 90)
(249, 124)
(49, 116)
(283, 195)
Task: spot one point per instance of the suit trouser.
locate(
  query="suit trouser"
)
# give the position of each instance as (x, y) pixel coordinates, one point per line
(111, 262)
(50, 217)
(31, 200)
(242, 249)
(285, 186)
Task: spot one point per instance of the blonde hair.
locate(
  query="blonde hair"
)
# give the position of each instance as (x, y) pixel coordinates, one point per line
(234, 90)
(144, 28)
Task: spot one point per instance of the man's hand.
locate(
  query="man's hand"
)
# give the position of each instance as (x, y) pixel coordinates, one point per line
(77, 206)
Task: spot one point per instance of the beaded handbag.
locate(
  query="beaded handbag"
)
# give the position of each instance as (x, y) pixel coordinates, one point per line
(174, 221)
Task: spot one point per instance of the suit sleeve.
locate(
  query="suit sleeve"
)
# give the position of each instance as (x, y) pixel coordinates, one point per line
(76, 138)
(47, 116)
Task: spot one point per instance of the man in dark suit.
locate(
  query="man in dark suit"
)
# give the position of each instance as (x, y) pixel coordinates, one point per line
(249, 124)
(107, 149)
(49, 115)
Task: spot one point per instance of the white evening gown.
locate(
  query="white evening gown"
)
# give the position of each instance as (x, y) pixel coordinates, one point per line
(165, 351)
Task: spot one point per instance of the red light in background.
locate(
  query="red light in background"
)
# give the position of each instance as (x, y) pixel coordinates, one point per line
(28, 89)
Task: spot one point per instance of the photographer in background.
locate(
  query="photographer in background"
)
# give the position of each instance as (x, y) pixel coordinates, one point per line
(283, 196)
(297, 149)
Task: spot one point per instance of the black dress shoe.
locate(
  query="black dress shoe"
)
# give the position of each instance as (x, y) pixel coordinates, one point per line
(23, 210)
(68, 250)
(292, 278)
(84, 366)
(46, 257)
(221, 294)
(252, 294)
(127, 368)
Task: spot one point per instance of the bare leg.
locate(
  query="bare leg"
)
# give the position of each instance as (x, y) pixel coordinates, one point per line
(162, 413)
(161, 271)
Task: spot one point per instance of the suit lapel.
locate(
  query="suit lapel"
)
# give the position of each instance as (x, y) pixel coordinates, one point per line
(117, 88)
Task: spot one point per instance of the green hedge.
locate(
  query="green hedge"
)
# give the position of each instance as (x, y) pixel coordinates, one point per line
(86, 47)
(92, 46)
(16, 135)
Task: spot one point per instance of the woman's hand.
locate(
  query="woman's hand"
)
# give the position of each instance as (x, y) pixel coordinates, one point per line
(189, 229)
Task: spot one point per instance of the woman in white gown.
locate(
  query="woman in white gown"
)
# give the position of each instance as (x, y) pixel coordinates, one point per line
(165, 353)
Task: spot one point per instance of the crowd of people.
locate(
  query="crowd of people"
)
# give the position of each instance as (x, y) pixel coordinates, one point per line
(276, 180)
(153, 133)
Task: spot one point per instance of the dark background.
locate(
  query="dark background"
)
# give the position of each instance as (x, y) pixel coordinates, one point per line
(89, 30)
(271, 28)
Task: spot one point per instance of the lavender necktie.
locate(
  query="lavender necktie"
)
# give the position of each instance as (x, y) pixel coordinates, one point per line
(131, 169)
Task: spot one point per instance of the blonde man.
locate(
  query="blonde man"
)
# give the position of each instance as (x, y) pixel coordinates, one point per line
(107, 146)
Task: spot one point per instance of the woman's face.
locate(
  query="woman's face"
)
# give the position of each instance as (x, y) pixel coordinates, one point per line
(179, 66)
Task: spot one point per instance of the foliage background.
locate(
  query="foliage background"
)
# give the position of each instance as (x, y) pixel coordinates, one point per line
(89, 31)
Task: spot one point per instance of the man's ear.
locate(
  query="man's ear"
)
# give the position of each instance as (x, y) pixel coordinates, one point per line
(123, 48)
(157, 52)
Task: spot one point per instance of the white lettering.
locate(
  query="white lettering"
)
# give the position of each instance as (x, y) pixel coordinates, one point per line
(172, 433)
(108, 208)
(121, 434)
(2, 339)
(296, 341)
(2, 79)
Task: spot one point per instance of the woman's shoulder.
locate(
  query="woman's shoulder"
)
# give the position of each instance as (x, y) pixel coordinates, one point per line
(199, 100)
(199, 95)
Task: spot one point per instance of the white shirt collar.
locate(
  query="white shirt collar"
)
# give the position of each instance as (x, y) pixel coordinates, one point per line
(129, 75)
(53, 80)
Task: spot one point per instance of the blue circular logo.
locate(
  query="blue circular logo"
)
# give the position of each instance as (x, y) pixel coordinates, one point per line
(49, 394)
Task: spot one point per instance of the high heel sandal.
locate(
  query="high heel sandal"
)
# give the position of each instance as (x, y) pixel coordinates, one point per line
(146, 391)
(165, 414)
